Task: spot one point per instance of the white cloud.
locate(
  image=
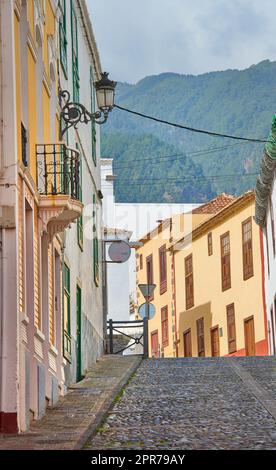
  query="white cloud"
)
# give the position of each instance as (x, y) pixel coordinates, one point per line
(137, 38)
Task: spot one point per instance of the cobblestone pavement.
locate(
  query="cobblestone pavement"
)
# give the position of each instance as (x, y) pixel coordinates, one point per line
(68, 425)
(217, 403)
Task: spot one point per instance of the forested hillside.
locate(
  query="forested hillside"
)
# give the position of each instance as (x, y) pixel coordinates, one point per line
(156, 163)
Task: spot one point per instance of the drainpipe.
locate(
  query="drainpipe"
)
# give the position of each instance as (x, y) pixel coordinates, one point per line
(174, 293)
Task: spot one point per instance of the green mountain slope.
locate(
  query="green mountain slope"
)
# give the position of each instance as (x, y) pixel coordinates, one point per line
(233, 102)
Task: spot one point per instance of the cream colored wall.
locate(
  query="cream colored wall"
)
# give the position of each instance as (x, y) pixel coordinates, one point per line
(181, 224)
(210, 301)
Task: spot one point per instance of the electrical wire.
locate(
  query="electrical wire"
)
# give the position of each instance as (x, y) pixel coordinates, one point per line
(187, 128)
(163, 181)
(176, 157)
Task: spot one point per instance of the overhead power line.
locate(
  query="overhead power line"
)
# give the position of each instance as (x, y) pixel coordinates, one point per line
(153, 159)
(167, 180)
(191, 129)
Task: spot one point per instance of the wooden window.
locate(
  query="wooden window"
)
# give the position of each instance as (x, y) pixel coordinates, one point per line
(149, 264)
(231, 328)
(189, 282)
(200, 337)
(163, 269)
(210, 244)
(141, 262)
(24, 142)
(248, 270)
(66, 313)
(225, 261)
(63, 37)
(95, 244)
(93, 124)
(272, 226)
(165, 326)
(154, 344)
(75, 54)
(267, 252)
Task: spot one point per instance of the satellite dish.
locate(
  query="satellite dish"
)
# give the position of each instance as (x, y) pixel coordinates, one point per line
(147, 311)
(119, 252)
(147, 290)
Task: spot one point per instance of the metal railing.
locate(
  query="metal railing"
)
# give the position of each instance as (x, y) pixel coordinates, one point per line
(114, 329)
(58, 170)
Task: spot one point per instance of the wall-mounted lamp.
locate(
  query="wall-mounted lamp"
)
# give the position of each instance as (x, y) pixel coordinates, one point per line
(74, 113)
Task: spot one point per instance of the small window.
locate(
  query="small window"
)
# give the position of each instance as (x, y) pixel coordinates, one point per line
(149, 263)
(225, 262)
(141, 262)
(210, 244)
(165, 326)
(24, 142)
(189, 282)
(163, 269)
(247, 249)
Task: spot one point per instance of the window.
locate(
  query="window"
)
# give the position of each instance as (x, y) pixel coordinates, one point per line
(272, 226)
(149, 263)
(95, 244)
(247, 249)
(93, 124)
(24, 142)
(267, 252)
(66, 313)
(163, 269)
(80, 219)
(210, 244)
(231, 328)
(75, 56)
(63, 37)
(225, 262)
(141, 262)
(200, 337)
(165, 326)
(189, 282)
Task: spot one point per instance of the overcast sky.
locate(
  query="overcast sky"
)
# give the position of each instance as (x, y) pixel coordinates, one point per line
(137, 38)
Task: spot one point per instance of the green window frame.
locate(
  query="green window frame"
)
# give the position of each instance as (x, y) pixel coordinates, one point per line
(67, 344)
(93, 124)
(95, 244)
(75, 54)
(80, 219)
(63, 43)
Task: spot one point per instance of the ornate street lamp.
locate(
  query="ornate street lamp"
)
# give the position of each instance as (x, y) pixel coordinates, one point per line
(74, 113)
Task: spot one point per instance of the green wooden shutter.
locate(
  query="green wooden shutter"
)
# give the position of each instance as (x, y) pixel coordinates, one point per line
(66, 313)
(75, 55)
(80, 219)
(93, 124)
(95, 244)
(63, 37)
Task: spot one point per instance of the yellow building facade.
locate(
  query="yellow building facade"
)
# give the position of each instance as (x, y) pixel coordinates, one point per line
(51, 319)
(214, 274)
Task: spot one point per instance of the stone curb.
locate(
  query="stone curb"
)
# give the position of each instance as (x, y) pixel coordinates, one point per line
(106, 406)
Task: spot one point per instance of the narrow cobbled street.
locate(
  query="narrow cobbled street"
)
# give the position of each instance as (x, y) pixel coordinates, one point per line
(194, 404)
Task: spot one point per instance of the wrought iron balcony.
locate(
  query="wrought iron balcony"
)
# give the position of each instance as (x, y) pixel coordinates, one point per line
(58, 170)
(59, 186)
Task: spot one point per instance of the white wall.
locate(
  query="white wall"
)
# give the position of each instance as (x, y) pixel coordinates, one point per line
(270, 275)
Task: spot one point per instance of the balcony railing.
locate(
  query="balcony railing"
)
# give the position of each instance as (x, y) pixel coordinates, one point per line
(58, 170)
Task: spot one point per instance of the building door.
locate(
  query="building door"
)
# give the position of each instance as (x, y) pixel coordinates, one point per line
(187, 339)
(249, 336)
(200, 337)
(79, 368)
(215, 341)
(154, 344)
